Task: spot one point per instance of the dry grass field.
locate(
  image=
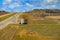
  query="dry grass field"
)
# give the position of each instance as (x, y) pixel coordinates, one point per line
(36, 29)
(53, 17)
(37, 32)
(39, 29)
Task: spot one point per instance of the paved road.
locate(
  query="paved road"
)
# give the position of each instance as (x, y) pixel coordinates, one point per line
(12, 19)
(7, 33)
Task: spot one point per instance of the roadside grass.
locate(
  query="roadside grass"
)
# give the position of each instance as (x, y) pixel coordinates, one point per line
(37, 29)
(38, 32)
(5, 17)
(30, 35)
(5, 29)
(48, 28)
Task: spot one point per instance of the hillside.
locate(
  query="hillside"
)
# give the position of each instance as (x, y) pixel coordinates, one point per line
(36, 29)
(46, 12)
(3, 12)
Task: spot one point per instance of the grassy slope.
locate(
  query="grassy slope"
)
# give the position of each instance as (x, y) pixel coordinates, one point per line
(49, 29)
(26, 34)
(38, 30)
(5, 17)
(3, 13)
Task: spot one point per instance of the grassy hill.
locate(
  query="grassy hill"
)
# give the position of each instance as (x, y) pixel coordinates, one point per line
(3, 13)
(38, 27)
(47, 29)
(33, 32)
(46, 12)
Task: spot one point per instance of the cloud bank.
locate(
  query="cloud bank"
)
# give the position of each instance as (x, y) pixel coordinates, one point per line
(21, 5)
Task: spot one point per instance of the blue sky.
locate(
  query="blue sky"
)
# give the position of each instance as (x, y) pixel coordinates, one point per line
(27, 5)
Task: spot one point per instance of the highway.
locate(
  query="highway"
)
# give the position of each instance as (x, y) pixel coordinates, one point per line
(7, 33)
(12, 19)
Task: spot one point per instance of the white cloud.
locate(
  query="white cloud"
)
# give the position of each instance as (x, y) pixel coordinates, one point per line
(8, 0)
(51, 1)
(54, 6)
(29, 4)
(14, 5)
(11, 6)
(4, 3)
(50, 6)
(3, 8)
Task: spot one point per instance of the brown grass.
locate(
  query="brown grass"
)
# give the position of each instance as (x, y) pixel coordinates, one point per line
(24, 33)
(53, 17)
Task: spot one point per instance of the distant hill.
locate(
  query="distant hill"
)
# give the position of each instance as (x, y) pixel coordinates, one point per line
(48, 12)
(3, 12)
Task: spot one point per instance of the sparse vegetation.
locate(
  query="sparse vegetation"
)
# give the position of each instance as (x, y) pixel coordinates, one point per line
(46, 27)
(37, 32)
(3, 13)
(36, 29)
